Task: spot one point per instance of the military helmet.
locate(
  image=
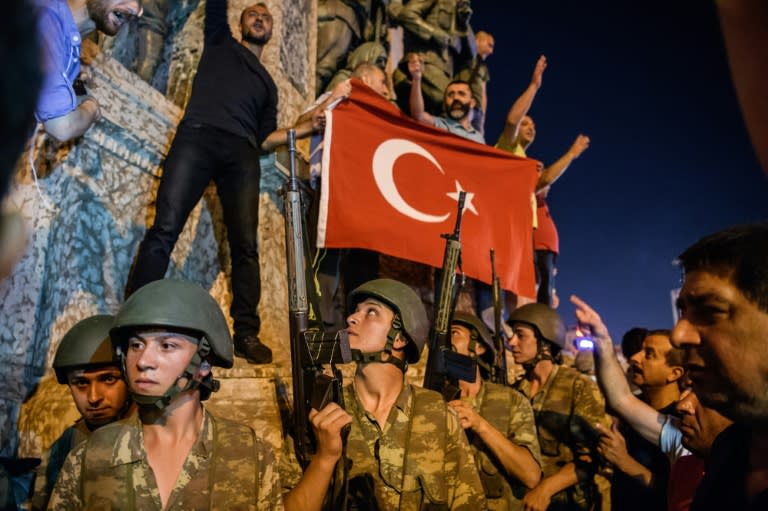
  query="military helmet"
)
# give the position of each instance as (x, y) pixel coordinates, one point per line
(543, 319)
(403, 301)
(85, 344)
(472, 322)
(176, 305)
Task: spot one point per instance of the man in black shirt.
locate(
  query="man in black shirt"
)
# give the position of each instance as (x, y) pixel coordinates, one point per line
(229, 121)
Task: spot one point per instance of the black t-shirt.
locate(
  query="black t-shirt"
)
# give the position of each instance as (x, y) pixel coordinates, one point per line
(232, 90)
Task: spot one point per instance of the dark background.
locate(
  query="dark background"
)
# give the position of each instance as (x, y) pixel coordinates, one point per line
(669, 161)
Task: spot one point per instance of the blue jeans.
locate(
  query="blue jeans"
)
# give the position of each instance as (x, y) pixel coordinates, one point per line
(199, 155)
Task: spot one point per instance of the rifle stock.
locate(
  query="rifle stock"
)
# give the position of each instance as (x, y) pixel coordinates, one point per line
(444, 366)
(499, 370)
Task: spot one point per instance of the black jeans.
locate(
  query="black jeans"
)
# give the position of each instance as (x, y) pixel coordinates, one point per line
(198, 155)
(545, 275)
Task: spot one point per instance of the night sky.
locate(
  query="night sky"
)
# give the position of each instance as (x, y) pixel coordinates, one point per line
(669, 162)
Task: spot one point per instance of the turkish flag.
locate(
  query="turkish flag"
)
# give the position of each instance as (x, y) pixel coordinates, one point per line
(390, 184)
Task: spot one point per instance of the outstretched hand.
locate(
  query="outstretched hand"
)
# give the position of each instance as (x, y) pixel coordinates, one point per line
(415, 66)
(580, 145)
(538, 71)
(590, 320)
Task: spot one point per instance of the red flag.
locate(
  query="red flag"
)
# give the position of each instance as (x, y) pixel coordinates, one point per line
(391, 185)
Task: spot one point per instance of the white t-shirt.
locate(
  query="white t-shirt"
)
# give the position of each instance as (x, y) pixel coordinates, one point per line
(671, 439)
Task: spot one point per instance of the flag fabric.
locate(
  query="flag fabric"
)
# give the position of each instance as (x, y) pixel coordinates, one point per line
(390, 184)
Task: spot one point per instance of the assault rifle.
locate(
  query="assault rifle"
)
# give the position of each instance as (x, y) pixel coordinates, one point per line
(444, 366)
(311, 348)
(499, 369)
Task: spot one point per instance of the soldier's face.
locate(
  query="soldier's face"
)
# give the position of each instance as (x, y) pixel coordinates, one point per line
(698, 424)
(523, 343)
(460, 337)
(369, 325)
(649, 365)
(155, 360)
(724, 335)
(110, 15)
(256, 24)
(99, 394)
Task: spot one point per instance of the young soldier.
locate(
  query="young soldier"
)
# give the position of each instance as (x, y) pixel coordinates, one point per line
(498, 421)
(84, 361)
(172, 454)
(406, 447)
(566, 405)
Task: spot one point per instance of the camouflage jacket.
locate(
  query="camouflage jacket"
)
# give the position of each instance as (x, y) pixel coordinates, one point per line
(511, 414)
(227, 468)
(566, 408)
(53, 460)
(418, 459)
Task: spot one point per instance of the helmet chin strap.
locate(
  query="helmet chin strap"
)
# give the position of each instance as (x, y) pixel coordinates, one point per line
(378, 356)
(541, 354)
(485, 367)
(161, 402)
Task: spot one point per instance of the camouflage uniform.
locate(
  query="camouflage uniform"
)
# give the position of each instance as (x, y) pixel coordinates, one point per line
(566, 408)
(53, 460)
(510, 413)
(418, 459)
(227, 468)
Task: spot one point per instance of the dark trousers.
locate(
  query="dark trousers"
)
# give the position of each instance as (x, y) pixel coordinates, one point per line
(198, 155)
(545, 275)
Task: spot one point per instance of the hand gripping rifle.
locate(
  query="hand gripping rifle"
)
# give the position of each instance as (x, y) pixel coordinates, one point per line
(311, 348)
(499, 369)
(444, 366)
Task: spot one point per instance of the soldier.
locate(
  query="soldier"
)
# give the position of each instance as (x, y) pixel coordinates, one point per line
(498, 421)
(84, 361)
(405, 444)
(566, 405)
(172, 454)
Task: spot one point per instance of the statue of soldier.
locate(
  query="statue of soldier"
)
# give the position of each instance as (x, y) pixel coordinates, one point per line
(85, 363)
(175, 454)
(367, 53)
(153, 30)
(566, 405)
(498, 421)
(342, 27)
(439, 31)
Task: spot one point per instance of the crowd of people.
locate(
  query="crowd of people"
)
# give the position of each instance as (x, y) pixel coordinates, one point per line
(684, 427)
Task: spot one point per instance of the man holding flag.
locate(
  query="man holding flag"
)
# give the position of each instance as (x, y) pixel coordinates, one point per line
(390, 184)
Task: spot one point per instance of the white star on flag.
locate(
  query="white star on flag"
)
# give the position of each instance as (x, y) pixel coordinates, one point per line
(467, 200)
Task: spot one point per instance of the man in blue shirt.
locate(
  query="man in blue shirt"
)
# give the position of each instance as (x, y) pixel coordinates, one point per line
(62, 25)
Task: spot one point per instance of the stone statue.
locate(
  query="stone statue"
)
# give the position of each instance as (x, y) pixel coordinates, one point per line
(153, 29)
(369, 52)
(342, 27)
(439, 31)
